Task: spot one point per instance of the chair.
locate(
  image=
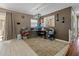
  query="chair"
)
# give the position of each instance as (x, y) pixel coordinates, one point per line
(25, 33)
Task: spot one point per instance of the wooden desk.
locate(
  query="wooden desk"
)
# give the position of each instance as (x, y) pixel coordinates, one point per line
(41, 33)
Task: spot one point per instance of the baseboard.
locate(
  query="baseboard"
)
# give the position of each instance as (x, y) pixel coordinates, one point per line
(63, 41)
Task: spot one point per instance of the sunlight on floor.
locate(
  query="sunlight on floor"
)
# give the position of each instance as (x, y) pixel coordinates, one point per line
(0, 38)
(15, 48)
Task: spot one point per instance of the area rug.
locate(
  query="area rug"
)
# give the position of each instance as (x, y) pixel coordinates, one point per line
(45, 47)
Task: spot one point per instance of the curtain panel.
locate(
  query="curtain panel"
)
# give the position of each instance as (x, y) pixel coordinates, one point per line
(10, 30)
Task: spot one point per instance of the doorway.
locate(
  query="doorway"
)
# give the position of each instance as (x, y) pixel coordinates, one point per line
(2, 24)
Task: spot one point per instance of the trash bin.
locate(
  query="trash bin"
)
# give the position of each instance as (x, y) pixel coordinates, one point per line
(19, 37)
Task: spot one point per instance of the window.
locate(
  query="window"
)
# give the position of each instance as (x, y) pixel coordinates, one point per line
(33, 23)
(49, 21)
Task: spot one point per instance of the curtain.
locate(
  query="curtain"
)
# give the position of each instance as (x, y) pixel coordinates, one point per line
(10, 30)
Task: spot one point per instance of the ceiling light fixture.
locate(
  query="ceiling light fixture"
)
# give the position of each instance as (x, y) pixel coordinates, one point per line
(37, 16)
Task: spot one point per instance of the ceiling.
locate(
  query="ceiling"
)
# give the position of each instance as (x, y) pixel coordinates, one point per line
(43, 8)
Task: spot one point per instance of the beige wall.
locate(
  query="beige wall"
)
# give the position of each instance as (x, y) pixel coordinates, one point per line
(62, 29)
(17, 17)
(24, 22)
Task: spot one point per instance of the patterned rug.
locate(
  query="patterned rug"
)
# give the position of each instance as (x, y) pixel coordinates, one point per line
(45, 47)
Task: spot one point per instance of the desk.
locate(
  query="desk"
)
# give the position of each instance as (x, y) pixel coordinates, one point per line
(41, 33)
